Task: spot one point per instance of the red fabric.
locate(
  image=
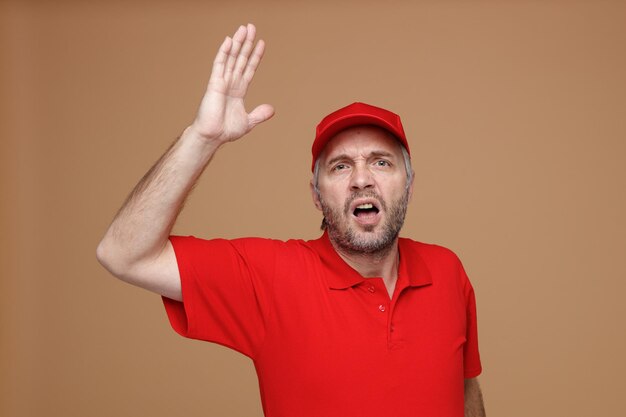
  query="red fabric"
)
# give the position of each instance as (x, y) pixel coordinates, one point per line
(324, 340)
(356, 114)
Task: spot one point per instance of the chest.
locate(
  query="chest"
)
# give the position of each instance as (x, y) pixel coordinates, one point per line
(328, 330)
(335, 346)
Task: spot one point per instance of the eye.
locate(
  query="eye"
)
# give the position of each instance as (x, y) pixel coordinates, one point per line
(340, 167)
(382, 163)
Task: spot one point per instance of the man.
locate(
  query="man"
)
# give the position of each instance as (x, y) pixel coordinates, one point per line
(356, 323)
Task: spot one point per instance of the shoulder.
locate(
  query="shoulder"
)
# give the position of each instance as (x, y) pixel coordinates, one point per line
(248, 246)
(442, 262)
(429, 252)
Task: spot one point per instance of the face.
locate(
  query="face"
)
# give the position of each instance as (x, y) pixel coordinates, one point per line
(362, 189)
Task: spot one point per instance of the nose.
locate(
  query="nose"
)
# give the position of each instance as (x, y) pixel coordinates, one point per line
(361, 178)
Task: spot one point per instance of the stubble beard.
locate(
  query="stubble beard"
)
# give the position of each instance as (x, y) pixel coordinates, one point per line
(367, 241)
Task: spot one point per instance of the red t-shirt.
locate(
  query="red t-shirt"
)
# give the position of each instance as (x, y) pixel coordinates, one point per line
(326, 341)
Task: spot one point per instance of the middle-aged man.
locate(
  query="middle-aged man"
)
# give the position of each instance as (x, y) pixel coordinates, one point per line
(356, 323)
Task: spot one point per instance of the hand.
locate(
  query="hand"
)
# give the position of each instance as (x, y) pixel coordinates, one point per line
(222, 115)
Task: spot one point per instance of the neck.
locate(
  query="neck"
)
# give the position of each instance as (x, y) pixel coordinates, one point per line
(382, 264)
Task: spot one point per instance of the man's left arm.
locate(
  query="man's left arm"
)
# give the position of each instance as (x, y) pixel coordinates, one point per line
(474, 406)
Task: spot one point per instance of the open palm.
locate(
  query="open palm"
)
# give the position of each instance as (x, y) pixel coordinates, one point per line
(222, 115)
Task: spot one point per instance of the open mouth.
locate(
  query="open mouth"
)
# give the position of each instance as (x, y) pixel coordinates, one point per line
(366, 210)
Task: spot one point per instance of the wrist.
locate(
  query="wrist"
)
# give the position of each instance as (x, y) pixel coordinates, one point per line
(196, 138)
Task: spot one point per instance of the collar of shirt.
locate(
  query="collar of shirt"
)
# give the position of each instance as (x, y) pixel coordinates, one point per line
(412, 268)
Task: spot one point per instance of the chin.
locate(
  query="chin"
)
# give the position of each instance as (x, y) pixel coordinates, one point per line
(370, 242)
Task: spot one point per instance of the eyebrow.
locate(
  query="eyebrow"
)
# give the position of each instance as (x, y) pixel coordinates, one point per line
(374, 154)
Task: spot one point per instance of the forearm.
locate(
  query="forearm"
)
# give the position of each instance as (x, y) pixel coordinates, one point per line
(474, 406)
(141, 228)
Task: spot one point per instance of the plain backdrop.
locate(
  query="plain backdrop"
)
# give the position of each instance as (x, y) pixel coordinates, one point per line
(515, 112)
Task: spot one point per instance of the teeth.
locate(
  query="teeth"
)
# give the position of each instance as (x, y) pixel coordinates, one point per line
(365, 206)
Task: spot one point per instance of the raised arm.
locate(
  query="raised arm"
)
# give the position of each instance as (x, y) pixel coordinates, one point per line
(136, 247)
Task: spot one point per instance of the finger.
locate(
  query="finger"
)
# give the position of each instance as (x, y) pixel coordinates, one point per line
(220, 59)
(238, 38)
(260, 114)
(246, 49)
(253, 62)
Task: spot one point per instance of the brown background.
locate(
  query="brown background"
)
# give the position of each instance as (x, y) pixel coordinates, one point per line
(516, 116)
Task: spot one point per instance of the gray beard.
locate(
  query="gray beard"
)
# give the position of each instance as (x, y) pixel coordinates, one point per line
(345, 237)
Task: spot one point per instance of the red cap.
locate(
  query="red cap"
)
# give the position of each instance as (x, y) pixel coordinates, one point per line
(356, 114)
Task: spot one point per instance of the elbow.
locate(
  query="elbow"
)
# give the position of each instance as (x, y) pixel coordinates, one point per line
(101, 254)
(105, 255)
(119, 261)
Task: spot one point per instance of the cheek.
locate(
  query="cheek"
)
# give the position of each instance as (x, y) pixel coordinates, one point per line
(332, 199)
(330, 192)
(394, 193)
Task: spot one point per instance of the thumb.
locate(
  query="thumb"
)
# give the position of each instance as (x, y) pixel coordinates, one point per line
(260, 114)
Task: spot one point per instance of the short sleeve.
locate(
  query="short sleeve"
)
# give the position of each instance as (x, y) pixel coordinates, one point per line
(226, 287)
(471, 357)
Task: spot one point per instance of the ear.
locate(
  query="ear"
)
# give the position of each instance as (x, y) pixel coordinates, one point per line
(411, 185)
(315, 196)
